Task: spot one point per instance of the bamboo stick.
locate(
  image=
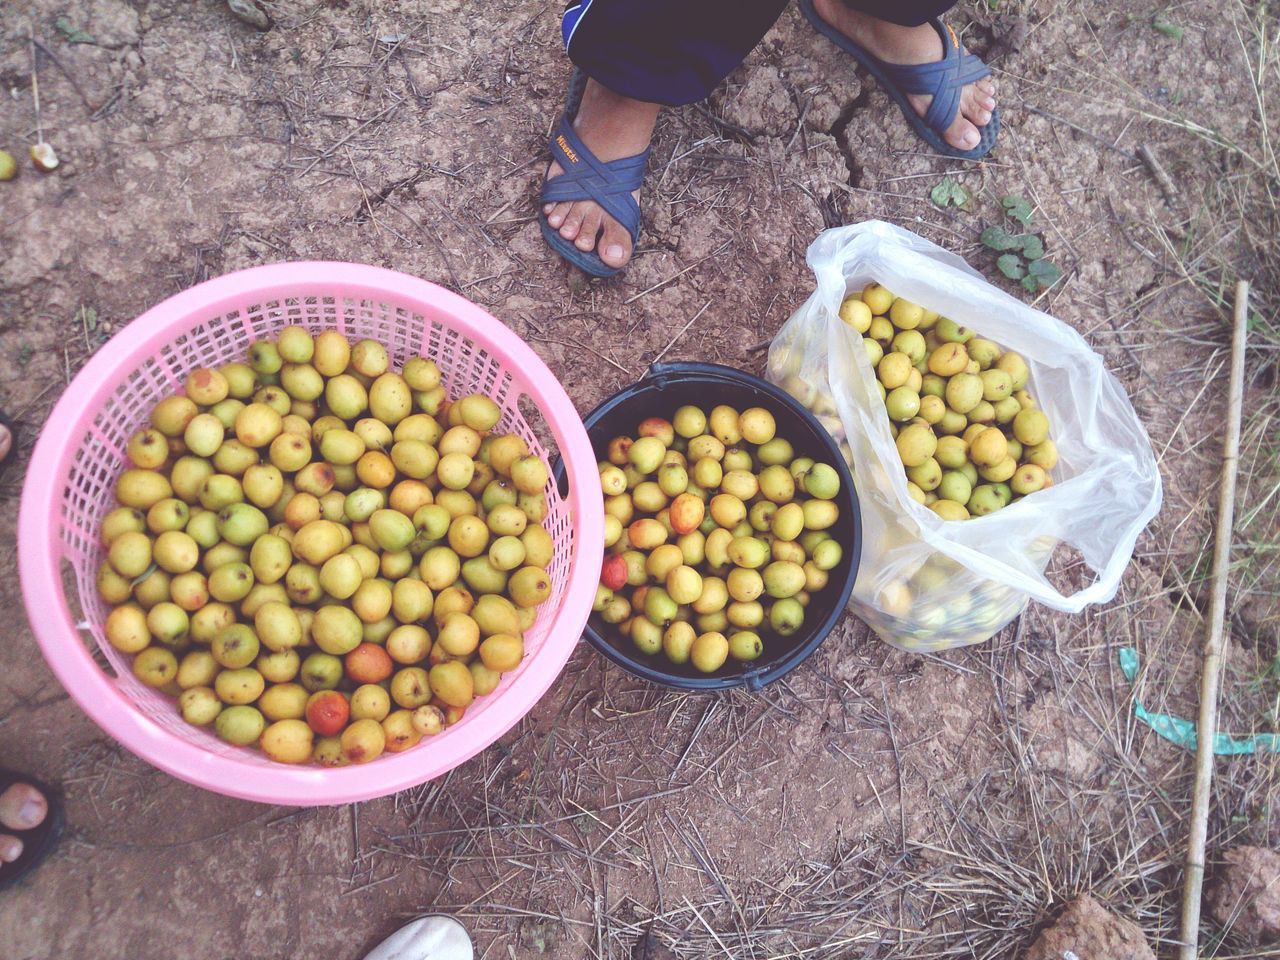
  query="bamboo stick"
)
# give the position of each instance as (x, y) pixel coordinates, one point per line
(1206, 729)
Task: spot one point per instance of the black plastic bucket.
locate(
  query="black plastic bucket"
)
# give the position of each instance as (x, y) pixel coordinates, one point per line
(668, 386)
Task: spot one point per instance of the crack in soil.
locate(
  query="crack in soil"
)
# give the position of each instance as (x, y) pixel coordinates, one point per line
(830, 206)
(839, 132)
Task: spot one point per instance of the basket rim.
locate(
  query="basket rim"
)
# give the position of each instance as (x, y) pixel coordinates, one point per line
(40, 549)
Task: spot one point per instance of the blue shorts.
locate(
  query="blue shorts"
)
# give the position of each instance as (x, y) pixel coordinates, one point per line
(677, 51)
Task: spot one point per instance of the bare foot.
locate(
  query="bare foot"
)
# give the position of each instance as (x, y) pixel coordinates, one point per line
(22, 807)
(613, 127)
(6, 441)
(911, 45)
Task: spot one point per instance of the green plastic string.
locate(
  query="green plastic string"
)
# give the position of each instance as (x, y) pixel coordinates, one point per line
(1183, 732)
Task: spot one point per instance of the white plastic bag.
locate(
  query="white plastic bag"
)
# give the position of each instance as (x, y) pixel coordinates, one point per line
(929, 584)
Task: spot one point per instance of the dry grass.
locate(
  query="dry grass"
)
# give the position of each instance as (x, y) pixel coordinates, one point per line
(620, 822)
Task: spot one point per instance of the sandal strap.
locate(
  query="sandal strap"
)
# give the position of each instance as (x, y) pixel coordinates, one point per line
(586, 177)
(943, 79)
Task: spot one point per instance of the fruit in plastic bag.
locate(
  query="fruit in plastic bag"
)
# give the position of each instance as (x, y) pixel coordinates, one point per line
(931, 579)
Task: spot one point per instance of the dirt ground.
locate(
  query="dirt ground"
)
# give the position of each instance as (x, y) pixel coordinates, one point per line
(874, 804)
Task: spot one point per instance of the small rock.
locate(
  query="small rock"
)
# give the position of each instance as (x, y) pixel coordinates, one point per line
(1010, 37)
(251, 12)
(538, 936)
(111, 23)
(1244, 895)
(1088, 931)
(756, 101)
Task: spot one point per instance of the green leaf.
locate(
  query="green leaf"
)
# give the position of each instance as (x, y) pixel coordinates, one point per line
(999, 239)
(1042, 274)
(1011, 266)
(1032, 246)
(949, 193)
(72, 33)
(1168, 28)
(1017, 208)
(1045, 269)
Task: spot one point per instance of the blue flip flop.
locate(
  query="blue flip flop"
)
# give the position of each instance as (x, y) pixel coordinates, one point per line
(586, 177)
(942, 80)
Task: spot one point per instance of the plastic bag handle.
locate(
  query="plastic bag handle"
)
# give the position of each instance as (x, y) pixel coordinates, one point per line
(831, 289)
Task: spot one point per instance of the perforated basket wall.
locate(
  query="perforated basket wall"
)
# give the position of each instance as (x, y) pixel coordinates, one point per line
(77, 477)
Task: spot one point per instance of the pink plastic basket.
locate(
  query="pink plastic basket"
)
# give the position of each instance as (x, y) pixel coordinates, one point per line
(81, 452)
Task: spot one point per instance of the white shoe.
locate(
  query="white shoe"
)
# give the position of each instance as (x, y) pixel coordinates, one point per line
(434, 937)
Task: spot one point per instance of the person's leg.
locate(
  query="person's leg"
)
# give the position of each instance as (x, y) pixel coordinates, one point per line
(898, 31)
(641, 55)
(669, 52)
(22, 807)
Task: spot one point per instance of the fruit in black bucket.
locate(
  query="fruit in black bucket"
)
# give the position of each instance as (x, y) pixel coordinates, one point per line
(711, 508)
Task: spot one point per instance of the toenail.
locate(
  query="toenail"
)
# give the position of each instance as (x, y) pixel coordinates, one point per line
(614, 252)
(31, 811)
(10, 850)
(971, 139)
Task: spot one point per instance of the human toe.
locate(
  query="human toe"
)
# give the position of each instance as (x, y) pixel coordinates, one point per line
(973, 109)
(615, 244)
(974, 112)
(10, 849)
(22, 807)
(573, 221)
(962, 134)
(559, 211)
(590, 229)
(553, 170)
(986, 92)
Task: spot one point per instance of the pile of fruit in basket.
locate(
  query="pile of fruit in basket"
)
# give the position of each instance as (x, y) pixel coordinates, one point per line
(715, 535)
(323, 556)
(968, 431)
(969, 434)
